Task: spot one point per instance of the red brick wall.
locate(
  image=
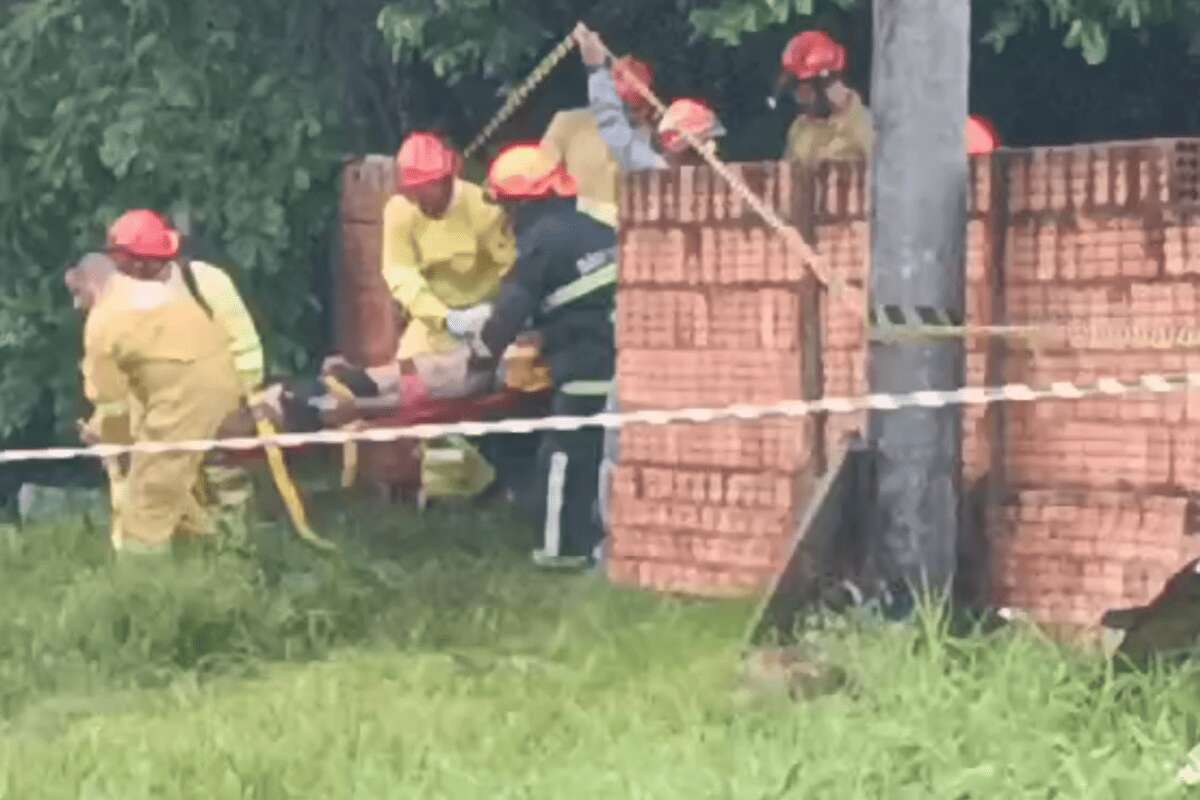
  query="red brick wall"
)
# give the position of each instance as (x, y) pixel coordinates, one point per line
(1099, 491)
(1092, 499)
(710, 313)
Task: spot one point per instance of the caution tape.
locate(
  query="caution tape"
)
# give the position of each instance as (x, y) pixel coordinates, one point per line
(1154, 383)
(1077, 335)
(912, 316)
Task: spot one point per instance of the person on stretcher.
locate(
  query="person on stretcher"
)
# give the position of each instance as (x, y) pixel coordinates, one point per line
(344, 394)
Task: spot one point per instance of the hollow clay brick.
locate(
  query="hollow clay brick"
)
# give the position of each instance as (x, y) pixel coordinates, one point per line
(782, 445)
(727, 490)
(1088, 551)
(676, 379)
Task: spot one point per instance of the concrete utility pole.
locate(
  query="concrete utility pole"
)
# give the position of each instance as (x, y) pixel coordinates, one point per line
(919, 80)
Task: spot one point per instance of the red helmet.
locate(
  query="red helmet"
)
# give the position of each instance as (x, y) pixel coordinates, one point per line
(628, 65)
(424, 158)
(981, 136)
(142, 233)
(692, 117)
(812, 54)
(528, 172)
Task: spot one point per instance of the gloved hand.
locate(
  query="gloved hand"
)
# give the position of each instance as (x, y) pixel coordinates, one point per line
(466, 323)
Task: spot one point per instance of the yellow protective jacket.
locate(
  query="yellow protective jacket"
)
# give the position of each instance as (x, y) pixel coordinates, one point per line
(230, 312)
(574, 137)
(143, 341)
(146, 345)
(845, 136)
(433, 265)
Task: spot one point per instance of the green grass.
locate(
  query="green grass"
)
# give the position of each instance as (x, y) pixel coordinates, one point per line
(452, 670)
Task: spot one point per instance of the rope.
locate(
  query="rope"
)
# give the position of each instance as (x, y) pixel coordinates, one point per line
(816, 263)
(840, 290)
(517, 97)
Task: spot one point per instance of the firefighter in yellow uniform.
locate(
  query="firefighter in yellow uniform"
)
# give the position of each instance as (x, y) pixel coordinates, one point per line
(833, 124)
(225, 486)
(86, 280)
(574, 137)
(146, 343)
(445, 248)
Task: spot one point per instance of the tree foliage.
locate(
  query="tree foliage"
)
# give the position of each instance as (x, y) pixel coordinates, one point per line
(1089, 25)
(222, 107)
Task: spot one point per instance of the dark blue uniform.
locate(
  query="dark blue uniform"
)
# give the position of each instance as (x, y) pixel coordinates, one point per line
(564, 282)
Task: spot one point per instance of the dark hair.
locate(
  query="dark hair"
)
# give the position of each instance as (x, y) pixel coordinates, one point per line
(200, 247)
(189, 280)
(197, 247)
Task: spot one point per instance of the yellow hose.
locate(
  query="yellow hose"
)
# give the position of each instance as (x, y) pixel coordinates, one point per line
(349, 449)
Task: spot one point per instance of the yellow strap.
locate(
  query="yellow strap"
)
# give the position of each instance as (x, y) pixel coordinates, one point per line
(349, 449)
(287, 489)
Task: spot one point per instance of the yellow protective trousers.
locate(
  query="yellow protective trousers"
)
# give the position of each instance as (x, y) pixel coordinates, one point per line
(159, 499)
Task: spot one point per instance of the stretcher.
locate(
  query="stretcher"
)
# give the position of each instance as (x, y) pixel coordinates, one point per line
(397, 465)
(526, 392)
(503, 404)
